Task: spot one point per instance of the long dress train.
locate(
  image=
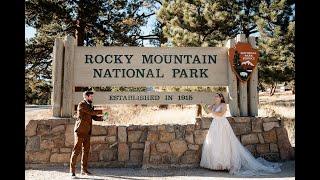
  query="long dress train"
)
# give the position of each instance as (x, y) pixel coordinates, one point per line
(222, 150)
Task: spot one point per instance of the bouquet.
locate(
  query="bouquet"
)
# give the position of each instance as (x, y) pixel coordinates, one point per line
(206, 108)
(105, 116)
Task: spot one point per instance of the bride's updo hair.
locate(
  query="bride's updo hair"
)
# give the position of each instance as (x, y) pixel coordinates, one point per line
(222, 97)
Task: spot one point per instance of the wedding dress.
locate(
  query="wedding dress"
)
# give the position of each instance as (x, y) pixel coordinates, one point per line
(222, 150)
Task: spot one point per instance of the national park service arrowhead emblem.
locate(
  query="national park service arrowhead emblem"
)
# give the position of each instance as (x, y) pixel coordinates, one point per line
(243, 59)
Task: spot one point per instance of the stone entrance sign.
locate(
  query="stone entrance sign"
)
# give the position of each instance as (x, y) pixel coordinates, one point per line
(76, 66)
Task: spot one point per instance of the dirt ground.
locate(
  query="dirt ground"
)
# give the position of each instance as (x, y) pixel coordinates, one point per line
(62, 172)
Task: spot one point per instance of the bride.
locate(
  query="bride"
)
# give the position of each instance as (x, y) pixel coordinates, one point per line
(223, 151)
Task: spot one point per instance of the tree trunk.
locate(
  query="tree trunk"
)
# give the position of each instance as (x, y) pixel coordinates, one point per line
(273, 89)
(246, 30)
(293, 88)
(199, 110)
(80, 33)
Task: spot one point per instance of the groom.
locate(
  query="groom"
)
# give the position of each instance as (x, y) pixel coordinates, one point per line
(82, 132)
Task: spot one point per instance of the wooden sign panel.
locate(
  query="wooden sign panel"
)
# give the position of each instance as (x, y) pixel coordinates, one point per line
(243, 59)
(150, 97)
(144, 66)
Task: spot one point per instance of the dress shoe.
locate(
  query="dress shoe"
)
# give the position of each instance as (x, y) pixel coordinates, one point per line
(73, 175)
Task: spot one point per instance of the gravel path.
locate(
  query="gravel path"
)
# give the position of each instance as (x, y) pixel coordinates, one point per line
(59, 173)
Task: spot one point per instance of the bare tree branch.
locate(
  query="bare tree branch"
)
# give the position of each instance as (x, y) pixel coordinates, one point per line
(144, 16)
(158, 2)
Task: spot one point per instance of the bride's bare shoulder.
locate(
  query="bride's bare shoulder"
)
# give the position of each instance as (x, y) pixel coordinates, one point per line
(223, 105)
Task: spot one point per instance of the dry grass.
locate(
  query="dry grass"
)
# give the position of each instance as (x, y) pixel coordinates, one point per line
(150, 115)
(280, 105)
(37, 115)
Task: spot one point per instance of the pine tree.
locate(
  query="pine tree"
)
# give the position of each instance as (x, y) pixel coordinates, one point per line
(277, 43)
(103, 22)
(210, 22)
(236, 60)
(237, 65)
(38, 64)
(207, 22)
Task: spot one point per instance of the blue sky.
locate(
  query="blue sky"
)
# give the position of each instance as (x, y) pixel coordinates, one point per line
(29, 32)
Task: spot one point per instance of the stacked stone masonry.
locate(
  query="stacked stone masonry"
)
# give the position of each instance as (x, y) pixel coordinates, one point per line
(51, 141)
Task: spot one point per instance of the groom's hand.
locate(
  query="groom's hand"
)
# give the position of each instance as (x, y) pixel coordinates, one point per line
(99, 111)
(97, 118)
